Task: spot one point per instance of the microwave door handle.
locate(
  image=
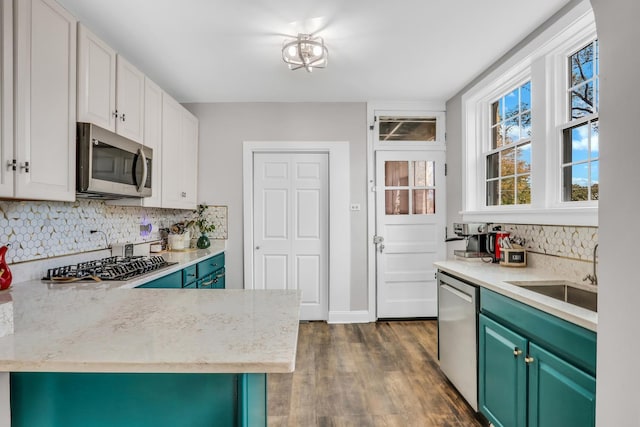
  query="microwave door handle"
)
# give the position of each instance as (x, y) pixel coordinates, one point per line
(144, 170)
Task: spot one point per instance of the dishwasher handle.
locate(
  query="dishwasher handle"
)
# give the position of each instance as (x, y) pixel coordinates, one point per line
(468, 298)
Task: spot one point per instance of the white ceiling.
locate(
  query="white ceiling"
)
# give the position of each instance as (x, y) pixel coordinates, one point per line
(230, 51)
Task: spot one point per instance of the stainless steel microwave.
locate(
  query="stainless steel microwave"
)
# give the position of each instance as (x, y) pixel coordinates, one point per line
(110, 166)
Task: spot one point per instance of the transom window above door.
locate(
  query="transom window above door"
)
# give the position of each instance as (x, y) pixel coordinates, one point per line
(409, 187)
(407, 129)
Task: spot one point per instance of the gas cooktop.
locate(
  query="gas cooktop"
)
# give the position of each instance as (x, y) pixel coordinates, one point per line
(111, 268)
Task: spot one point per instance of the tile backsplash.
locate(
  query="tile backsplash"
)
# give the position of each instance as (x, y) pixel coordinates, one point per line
(564, 241)
(38, 230)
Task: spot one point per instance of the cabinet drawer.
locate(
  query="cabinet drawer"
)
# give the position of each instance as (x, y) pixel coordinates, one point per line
(173, 280)
(572, 342)
(210, 265)
(189, 274)
(214, 280)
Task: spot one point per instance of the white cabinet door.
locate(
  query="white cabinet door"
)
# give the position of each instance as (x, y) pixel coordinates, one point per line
(129, 100)
(153, 139)
(190, 158)
(6, 99)
(179, 155)
(96, 80)
(45, 84)
(171, 153)
(110, 89)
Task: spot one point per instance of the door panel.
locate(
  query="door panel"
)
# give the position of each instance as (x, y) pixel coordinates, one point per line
(291, 211)
(275, 272)
(275, 214)
(410, 218)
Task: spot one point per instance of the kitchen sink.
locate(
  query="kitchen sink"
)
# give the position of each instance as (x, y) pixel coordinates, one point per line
(570, 292)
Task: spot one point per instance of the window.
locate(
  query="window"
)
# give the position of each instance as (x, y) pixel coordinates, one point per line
(530, 130)
(580, 140)
(508, 163)
(409, 187)
(407, 128)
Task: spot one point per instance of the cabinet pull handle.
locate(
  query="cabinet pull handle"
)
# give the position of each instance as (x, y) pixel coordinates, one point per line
(122, 117)
(183, 194)
(11, 164)
(529, 359)
(517, 352)
(207, 283)
(25, 166)
(115, 114)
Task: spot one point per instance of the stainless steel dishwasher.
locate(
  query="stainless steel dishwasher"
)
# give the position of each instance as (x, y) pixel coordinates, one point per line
(458, 335)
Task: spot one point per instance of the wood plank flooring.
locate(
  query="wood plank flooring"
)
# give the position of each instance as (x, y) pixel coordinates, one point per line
(373, 374)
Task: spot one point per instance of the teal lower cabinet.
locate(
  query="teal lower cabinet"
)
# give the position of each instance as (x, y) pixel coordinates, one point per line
(206, 274)
(503, 374)
(213, 281)
(559, 393)
(534, 369)
(172, 280)
(137, 400)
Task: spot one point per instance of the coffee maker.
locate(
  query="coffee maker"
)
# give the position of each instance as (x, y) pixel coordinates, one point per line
(475, 234)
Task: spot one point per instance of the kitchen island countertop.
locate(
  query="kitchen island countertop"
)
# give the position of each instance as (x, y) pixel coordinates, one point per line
(99, 328)
(495, 278)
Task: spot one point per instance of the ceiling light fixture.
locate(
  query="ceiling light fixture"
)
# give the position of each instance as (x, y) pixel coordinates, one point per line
(306, 52)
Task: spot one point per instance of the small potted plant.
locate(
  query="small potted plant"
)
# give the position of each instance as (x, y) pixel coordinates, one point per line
(201, 221)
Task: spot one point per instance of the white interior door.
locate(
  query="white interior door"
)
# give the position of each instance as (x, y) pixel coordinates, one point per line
(410, 222)
(291, 224)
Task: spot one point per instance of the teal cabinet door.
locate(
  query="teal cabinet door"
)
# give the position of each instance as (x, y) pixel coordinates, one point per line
(173, 280)
(560, 395)
(210, 265)
(502, 374)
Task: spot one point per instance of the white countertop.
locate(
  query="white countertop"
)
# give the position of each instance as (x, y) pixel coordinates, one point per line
(495, 278)
(107, 327)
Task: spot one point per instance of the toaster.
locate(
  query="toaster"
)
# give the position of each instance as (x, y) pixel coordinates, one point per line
(513, 257)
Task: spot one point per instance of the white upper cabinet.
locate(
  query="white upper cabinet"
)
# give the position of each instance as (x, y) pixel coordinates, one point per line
(110, 89)
(6, 99)
(179, 155)
(96, 80)
(45, 101)
(129, 100)
(153, 139)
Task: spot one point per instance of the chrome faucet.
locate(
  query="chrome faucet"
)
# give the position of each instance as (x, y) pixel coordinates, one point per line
(593, 278)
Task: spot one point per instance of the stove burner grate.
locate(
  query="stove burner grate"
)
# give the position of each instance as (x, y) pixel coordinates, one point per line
(111, 268)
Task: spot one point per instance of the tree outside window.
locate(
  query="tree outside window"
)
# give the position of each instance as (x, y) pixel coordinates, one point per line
(580, 136)
(508, 163)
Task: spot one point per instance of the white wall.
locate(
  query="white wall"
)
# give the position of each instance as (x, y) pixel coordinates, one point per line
(223, 128)
(618, 393)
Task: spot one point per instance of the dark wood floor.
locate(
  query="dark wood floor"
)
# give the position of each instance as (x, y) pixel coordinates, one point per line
(375, 374)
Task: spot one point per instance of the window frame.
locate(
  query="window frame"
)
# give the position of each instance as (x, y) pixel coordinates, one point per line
(543, 60)
(488, 149)
(569, 123)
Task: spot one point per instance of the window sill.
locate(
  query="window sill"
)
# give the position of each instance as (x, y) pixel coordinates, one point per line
(585, 216)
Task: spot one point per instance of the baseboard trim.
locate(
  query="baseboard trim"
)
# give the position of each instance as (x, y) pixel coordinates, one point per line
(357, 316)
